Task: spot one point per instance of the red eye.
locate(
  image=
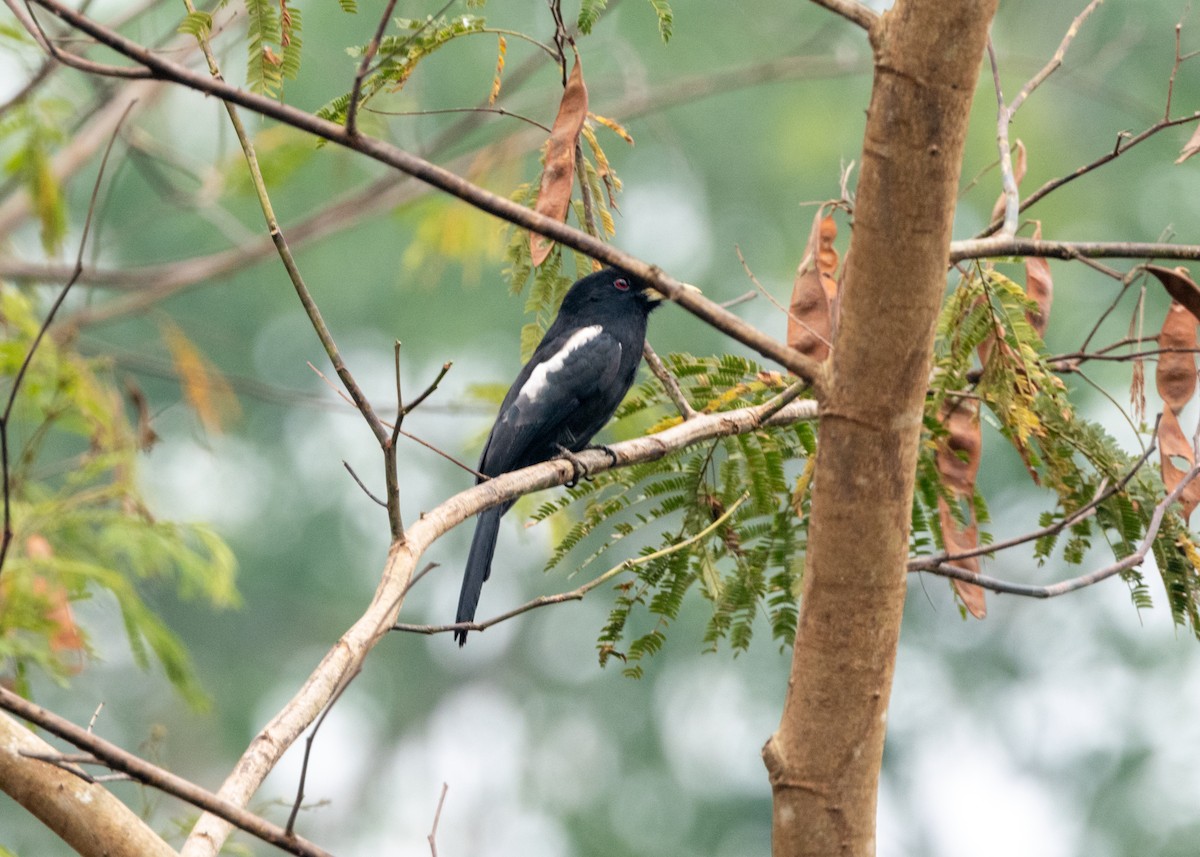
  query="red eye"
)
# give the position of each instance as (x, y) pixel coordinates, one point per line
(621, 284)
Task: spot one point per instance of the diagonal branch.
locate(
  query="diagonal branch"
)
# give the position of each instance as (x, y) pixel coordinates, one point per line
(364, 66)
(852, 11)
(1063, 587)
(139, 769)
(380, 615)
(385, 153)
(580, 591)
(1124, 144)
(1085, 511)
(86, 816)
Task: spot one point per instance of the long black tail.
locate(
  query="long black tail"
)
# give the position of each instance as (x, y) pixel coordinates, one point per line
(479, 567)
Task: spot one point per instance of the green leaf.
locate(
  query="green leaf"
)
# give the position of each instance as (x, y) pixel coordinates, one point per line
(666, 20)
(589, 14)
(197, 24)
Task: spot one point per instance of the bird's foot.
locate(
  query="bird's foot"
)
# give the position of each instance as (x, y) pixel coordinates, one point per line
(612, 456)
(579, 468)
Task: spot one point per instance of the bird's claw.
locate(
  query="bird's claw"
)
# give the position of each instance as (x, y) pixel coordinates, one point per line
(579, 469)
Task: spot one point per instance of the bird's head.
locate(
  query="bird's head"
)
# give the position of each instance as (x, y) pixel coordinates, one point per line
(611, 288)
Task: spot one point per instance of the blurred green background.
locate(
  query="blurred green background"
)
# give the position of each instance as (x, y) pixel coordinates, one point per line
(1052, 728)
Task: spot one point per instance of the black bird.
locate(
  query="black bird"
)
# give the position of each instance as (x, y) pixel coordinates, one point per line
(571, 386)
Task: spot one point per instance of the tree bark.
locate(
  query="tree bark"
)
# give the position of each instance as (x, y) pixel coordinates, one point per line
(824, 759)
(85, 815)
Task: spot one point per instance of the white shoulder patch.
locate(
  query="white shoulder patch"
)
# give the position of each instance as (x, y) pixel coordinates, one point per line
(539, 377)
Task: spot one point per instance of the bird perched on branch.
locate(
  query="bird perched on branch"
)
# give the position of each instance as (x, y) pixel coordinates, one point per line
(571, 386)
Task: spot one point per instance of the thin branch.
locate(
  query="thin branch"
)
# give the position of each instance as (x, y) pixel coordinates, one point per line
(308, 745)
(208, 830)
(499, 111)
(437, 817)
(6, 536)
(668, 381)
(740, 299)
(1085, 511)
(1056, 61)
(34, 26)
(155, 282)
(68, 762)
(415, 403)
(1012, 198)
(774, 301)
(365, 489)
(852, 11)
(999, 246)
(342, 395)
(579, 592)
(1124, 144)
(361, 403)
(365, 65)
(144, 772)
(1074, 584)
(703, 308)
(461, 465)
(397, 574)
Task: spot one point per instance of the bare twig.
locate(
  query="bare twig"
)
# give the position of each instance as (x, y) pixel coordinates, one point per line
(144, 772)
(1074, 584)
(499, 111)
(740, 299)
(365, 65)
(998, 245)
(365, 489)
(1056, 61)
(6, 535)
(437, 817)
(1012, 199)
(506, 209)
(1124, 144)
(774, 301)
(668, 381)
(1085, 511)
(308, 745)
(852, 11)
(415, 403)
(95, 715)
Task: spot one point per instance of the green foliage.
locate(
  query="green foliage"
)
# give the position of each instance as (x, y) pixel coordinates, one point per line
(1074, 457)
(273, 46)
(589, 14)
(398, 57)
(80, 529)
(197, 24)
(666, 20)
(350, 6)
(30, 133)
(590, 11)
(749, 566)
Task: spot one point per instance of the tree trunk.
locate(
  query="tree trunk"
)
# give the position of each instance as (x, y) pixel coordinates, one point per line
(824, 760)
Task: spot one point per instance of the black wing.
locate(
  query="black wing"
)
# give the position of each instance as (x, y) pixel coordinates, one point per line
(564, 395)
